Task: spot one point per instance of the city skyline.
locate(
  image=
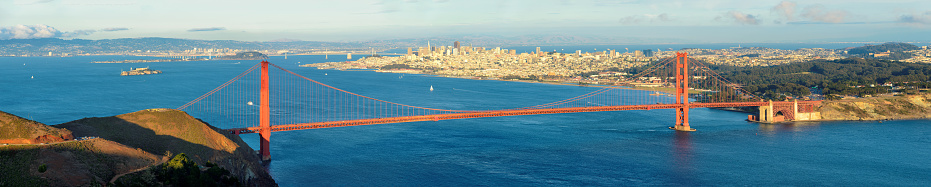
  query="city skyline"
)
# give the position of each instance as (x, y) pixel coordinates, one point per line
(649, 21)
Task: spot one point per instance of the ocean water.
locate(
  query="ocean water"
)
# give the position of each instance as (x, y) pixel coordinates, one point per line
(622, 148)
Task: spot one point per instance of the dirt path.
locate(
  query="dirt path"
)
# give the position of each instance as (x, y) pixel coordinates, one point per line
(112, 180)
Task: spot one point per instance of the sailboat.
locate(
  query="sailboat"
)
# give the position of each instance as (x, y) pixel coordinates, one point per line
(32, 77)
(655, 92)
(431, 88)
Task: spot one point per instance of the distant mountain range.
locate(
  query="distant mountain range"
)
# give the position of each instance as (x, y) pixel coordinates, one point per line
(42, 47)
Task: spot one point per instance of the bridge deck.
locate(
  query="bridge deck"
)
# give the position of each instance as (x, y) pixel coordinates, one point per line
(497, 113)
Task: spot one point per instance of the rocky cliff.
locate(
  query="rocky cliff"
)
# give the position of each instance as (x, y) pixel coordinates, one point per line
(878, 108)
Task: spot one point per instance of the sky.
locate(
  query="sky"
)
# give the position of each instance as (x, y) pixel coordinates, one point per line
(688, 21)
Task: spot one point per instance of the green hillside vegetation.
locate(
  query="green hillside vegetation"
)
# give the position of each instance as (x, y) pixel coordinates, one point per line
(897, 50)
(891, 47)
(15, 127)
(837, 77)
(180, 171)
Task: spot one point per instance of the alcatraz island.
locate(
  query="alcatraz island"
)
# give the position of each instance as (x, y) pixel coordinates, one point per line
(140, 71)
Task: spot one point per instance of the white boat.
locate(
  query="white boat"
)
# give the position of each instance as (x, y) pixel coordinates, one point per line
(249, 103)
(32, 77)
(431, 88)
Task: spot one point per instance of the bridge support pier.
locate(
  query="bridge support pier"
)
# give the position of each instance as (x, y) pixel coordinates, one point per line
(682, 93)
(264, 117)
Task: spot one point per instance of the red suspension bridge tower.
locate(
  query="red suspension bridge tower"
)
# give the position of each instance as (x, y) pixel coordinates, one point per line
(682, 93)
(264, 114)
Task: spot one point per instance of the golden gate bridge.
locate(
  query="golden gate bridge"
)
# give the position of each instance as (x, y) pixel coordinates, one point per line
(301, 103)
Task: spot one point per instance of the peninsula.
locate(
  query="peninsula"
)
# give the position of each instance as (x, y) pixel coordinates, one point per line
(244, 56)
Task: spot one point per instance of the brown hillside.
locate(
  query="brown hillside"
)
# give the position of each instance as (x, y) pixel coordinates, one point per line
(17, 130)
(878, 108)
(167, 131)
(74, 163)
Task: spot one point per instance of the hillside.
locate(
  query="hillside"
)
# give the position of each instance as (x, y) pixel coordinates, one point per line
(167, 131)
(244, 56)
(838, 77)
(18, 130)
(878, 108)
(895, 50)
(74, 163)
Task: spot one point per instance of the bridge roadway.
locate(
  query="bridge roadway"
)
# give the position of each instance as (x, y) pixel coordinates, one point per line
(496, 113)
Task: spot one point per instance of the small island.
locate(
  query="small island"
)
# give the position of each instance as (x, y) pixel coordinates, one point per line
(140, 71)
(244, 56)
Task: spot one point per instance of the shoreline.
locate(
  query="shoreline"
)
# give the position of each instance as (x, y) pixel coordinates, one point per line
(666, 90)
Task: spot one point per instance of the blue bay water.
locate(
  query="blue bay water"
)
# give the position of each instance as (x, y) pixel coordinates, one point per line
(582, 149)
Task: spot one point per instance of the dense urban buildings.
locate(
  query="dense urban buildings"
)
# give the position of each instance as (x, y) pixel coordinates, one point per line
(590, 67)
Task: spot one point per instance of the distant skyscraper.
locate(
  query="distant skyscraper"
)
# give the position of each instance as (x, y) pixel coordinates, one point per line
(648, 53)
(638, 53)
(349, 56)
(410, 51)
(456, 44)
(513, 52)
(538, 52)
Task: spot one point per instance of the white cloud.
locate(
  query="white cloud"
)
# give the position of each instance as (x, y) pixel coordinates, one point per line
(634, 19)
(916, 19)
(817, 13)
(44, 31)
(28, 32)
(78, 33)
(739, 17)
(785, 9)
(114, 29)
(206, 29)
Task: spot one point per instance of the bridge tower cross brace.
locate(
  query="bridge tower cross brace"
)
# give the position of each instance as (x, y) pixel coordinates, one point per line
(682, 93)
(264, 115)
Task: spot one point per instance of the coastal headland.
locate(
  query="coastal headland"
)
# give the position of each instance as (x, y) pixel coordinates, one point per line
(128, 149)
